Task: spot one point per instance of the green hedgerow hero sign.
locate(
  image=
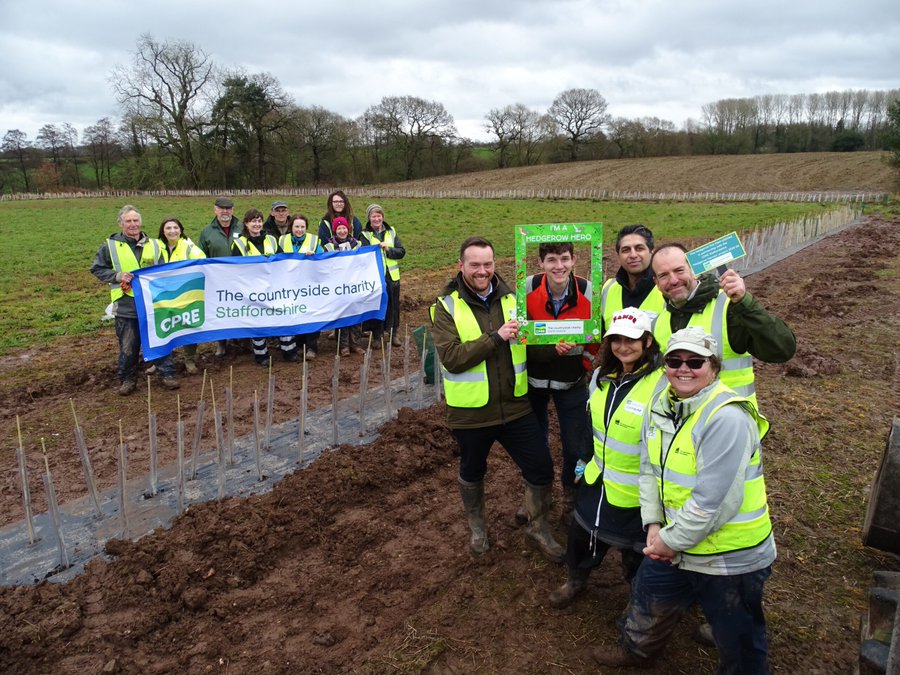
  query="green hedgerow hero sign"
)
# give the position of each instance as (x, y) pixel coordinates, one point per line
(581, 235)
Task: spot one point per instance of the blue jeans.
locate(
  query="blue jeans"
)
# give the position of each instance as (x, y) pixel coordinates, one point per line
(522, 441)
(574, 424)
(661, 593)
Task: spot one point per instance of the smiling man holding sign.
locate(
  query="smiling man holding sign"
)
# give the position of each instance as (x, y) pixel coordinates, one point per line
(724, 309)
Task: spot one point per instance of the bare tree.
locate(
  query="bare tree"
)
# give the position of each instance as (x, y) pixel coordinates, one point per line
(531, 132)
(15, 142)
(411, 125)
(500, 122)
(580, 115)
(167, 82)
(321, 132)
(70, 135)
(100, 139)
(50, 138)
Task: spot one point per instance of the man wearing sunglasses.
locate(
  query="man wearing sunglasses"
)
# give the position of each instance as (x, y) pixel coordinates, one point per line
(723, 308)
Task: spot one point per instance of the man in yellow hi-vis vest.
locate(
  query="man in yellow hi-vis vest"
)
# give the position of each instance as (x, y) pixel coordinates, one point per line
(723, 308)
(486, 387)
(114, 263)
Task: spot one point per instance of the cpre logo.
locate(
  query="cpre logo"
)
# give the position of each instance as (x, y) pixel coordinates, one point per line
(178, 302)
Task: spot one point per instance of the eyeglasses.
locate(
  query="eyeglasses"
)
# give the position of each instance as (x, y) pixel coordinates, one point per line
(694, 363)
(337, 201)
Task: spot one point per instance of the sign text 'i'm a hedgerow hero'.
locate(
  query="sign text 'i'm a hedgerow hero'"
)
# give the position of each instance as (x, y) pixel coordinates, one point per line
(219, 298)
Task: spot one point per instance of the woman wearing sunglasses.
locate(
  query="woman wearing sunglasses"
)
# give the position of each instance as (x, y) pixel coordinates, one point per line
(703, 502)
(607, 509)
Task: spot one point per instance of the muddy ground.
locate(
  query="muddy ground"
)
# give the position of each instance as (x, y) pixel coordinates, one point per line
(360, 562)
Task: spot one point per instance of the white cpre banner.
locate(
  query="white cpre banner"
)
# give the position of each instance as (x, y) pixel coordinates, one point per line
(286, 294)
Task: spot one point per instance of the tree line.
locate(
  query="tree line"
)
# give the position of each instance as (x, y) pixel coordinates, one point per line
(188, 123)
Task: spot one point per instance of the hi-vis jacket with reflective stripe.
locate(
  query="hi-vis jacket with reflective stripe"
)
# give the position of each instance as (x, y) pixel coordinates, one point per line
(246, 247)
(469, 389)
(678, 464)
(391, 265)
(309, 245)
(157, 253)
(475, 348)
(737, 369)
(617, 437)
(611, 301)
(123, 260)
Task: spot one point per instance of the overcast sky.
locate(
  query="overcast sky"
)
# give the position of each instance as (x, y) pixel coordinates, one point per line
(661, 58)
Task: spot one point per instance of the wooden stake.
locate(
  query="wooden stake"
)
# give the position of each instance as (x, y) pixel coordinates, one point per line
(270, 406)
(386, 380)
(363, 387)
(26, 490)
(406, 363)
(229, 416)
(421, 383)
(151, 423)
(86, 462)
(256, 433)
(123, 469)
(304, 401)
(53, 508)
(220, 441)
(179, 445)
(334, 399)
(198, 431)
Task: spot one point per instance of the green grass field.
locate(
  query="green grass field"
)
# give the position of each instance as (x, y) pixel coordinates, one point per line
(46, 289)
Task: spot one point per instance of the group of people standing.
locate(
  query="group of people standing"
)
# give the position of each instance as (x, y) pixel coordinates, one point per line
(281, 232)
(660, 441)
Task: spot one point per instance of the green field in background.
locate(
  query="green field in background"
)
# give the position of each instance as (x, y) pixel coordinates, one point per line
(47, 291)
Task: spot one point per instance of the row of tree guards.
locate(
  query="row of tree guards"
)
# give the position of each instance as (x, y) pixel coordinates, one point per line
(224, 435)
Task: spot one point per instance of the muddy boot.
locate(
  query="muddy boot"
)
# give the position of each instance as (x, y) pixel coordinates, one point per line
(575, 584)
(473, 502)
(190, 359)
(537, 532)
(522, 515)
(568, 505)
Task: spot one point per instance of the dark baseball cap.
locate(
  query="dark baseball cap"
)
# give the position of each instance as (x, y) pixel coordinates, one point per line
(224, 203)
(279, 205)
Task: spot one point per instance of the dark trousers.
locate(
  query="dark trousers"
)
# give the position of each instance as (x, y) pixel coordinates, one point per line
(583, 554)
(308, 340)
(261, 350)
(732, 604)
(129, 337)
(520, 438)
(574, 424)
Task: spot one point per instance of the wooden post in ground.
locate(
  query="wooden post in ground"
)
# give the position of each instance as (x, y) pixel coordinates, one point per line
(179, 448)
(53, 508)
(270, 406)
(301, 419)
(406, 362)
(334, 397)
(123, 469)
(198, 432)
(420, 385)
(229, 415)
(256, 433)
(363, 388)
(26, 490)
(220, 441)
(151, 424)
(85, 461)
(386, 378)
